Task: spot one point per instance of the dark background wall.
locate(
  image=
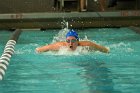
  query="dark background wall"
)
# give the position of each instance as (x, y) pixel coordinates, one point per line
(25, 6)
(102, 5)
(30, 6)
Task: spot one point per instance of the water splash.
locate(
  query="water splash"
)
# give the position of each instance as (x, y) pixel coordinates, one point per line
(64, 24)
(84, 39)
(65, 51)
(61, 36)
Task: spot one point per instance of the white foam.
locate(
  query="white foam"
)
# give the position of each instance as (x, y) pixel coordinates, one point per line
(121, 44)
(61, 36)
(65, 51)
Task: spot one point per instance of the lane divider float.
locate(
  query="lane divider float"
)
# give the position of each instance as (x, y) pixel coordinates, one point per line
(8, 52)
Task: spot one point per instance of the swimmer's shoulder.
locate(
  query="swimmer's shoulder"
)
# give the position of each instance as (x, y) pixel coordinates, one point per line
(85, 43)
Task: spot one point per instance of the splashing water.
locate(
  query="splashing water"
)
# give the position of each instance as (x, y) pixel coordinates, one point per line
(61, 36)
(65, 51)
(79, 50)
(64, 24)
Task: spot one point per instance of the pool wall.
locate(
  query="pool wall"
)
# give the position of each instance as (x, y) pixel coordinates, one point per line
(75, 19)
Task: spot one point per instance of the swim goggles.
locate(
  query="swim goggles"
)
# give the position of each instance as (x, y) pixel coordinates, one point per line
(72, 40)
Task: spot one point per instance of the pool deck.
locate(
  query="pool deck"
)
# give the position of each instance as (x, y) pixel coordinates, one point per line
(75, 20)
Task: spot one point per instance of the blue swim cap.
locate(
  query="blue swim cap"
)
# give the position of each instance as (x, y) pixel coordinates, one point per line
(72, 33)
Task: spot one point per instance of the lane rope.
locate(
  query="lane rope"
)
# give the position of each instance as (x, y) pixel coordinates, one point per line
(8, 52)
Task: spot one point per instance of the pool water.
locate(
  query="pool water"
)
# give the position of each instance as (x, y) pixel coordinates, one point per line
(80, 72)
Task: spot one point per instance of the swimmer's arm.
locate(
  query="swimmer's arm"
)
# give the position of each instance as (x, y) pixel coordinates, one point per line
(51, 47)
(95, 46)
(100, 48)
(43, 49)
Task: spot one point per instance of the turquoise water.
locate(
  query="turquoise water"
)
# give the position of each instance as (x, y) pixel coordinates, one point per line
(80, 72)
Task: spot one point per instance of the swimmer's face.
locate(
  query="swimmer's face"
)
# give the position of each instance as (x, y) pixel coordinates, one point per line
(72, 42)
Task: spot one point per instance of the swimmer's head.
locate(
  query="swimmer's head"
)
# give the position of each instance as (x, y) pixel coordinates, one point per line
(72, 33)
(72, 40)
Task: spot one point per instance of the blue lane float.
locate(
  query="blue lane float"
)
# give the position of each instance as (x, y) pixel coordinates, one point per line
(8, 52)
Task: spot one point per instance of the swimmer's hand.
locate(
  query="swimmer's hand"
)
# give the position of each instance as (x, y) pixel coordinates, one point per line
(108, 50)
(104, 49)
(37, 50)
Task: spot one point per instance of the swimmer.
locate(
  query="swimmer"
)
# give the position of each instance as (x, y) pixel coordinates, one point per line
(72, 42)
